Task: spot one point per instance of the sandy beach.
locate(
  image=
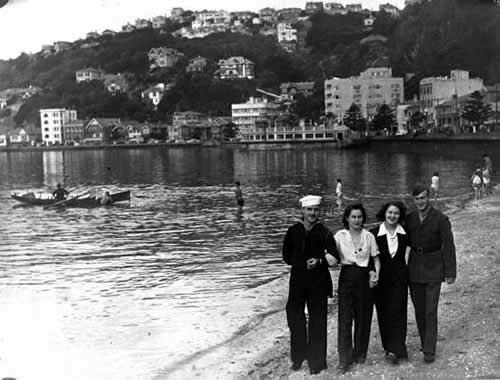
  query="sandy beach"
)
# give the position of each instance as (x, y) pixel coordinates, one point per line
(468, 323)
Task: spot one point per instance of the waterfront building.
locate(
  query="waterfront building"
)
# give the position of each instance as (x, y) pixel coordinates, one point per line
(52, 121)
(19, 136)
(404, 113)
(290, 89)
(335, 9)
(197, 65)
(158, 22)
(313, 7)
(235, 68)
(189, 125)
(73, 131)
(436, 90)
(389, 8)
(372, 88)
(254, 116)
(88, 74)
(163, 57)
(100, 130)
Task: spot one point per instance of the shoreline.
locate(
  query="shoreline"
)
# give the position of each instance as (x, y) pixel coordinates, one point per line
(466, 335)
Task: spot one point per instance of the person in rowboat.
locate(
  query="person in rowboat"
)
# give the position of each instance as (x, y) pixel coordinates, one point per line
(60, 193)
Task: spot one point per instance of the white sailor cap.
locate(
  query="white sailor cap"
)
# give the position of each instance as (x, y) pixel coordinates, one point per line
(310, 201)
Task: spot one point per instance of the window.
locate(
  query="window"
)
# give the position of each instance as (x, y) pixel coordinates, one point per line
(46, 129)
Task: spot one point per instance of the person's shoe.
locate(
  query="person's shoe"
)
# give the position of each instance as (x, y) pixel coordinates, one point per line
(343, 368)
(391, 358)
(314, 371)
(296, 366)
(428, 357)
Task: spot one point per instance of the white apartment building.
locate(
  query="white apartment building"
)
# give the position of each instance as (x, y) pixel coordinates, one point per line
(250, 117)
(436, 90)
(372, 88)
(52, 121)
(286, 33)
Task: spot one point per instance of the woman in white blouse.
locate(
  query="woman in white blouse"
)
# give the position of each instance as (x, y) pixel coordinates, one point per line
(391, 293)
(356, 245)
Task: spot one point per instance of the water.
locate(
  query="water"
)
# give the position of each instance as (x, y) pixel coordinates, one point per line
(127, 291)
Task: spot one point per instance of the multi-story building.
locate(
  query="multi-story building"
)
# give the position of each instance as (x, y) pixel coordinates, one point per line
(389, 8)
(313, 7)
(163, 57)
(211, 19)
(52, 121)
(254, 117)
(372, 88)
(335, 9)
(159, 22)
(286, 33)
(73, 131)
(435, 90)
(236, 68)
(88, 74)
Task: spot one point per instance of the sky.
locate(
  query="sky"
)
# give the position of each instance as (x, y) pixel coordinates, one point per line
(26, 25)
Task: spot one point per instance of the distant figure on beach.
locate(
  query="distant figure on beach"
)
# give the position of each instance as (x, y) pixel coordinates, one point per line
(477, 184)
(60, 193)
(106, 199)
(238, 194)
(309, 248)
(432, 261)
(486, 181)
(487, 163)
(391, 293)
(435, 185)
(355, 245)
(338, 192)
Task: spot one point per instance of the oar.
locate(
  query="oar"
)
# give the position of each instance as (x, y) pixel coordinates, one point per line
(64, 201)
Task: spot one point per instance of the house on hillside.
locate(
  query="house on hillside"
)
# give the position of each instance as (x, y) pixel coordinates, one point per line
(163, 57)
(3, 102)
(158, 22)
(108, 32)
(354, 7)
(3, 140)
(290, 15)
(197, 65)
(290, 89)
(100, 130)
(154, 94)
(47, 50)
(88, 74)
(60, 46)
(335, 9)
(389, 8)
(236, 68)
(128, 28)
(89, 45)
(369, 21)
(313, 7)
(93, 35)
(268, 14)
(143, 24)
(116, 83)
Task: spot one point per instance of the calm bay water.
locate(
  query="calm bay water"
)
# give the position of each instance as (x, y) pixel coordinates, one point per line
(126, 291)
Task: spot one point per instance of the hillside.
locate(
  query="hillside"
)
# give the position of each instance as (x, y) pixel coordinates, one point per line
(426, 40)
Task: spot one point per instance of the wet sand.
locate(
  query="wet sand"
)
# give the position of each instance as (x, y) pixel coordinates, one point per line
(468, 323)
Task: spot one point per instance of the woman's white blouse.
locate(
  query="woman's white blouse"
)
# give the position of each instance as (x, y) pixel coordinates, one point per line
(350, 254)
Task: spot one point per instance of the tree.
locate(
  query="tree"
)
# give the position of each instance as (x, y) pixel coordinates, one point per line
(416, 119)
(475, 110)
(384, 119)
(354, 120)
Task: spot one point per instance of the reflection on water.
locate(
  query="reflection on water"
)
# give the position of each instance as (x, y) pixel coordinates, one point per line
(121, 292)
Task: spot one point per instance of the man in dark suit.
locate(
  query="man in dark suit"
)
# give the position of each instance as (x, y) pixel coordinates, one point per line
(432, 261)
(309, 247)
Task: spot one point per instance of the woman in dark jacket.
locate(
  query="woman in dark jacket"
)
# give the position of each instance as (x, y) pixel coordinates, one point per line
(391, 293)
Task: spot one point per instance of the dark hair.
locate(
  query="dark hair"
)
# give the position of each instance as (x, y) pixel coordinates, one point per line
(237, 183)
(339, 180)
(400, 205)
(349, 209)
(436, 173)
(419, 188)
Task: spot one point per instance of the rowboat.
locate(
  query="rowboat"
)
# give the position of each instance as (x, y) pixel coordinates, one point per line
(41, 200)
